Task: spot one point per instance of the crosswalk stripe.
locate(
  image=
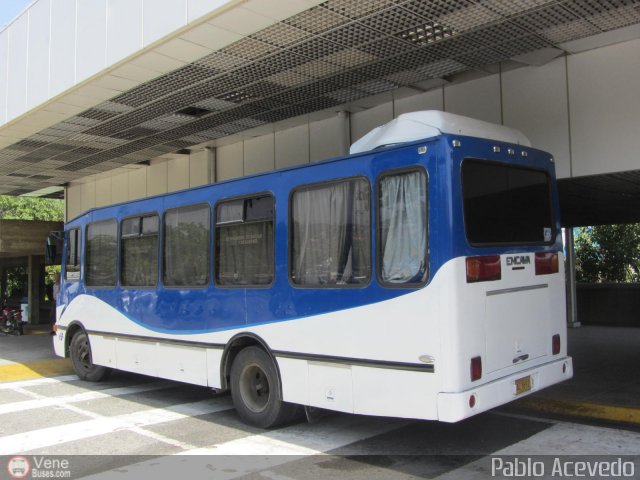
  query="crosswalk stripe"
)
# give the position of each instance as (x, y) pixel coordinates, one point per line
(305, 439)
(37, 381)
(27, 441)
(40, 402)
(267, 450)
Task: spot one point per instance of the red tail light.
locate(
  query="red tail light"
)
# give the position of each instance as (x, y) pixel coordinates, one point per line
(555, 344)
(546, 263)
(483, 269)
(476, 368)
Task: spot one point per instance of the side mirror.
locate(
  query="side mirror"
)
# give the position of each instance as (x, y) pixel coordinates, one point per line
(53, 248)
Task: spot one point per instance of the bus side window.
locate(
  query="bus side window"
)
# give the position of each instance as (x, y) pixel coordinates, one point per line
(186, 246)
(244, 242)
(402, 228)
(331, 234)
(72, 257)
(101, 254)
(139, 251)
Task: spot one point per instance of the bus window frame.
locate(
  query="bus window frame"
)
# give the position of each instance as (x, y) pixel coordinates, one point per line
(159, 253)
(293, 191)
(266, 193)
(379, 178)
(554, 214)
(162, 244)
(79, 251)
(117, 256)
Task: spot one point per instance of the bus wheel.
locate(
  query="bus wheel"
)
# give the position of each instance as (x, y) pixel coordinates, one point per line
(256, 392)
(81, 359)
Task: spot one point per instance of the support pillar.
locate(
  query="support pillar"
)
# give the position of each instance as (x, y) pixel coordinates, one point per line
(34, 273)
(570, 273)
(3, 283)
(345, 132)
(212, 162)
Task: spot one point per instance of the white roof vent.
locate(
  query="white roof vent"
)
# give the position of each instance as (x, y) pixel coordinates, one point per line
(414, 126)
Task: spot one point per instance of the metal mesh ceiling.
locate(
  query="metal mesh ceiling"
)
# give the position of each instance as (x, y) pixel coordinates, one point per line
(335, 53)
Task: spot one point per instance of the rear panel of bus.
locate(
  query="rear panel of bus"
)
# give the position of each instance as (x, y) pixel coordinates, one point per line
(506, 312)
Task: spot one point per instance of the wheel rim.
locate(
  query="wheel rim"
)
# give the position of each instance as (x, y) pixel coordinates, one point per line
(254, 388)
(83, 354)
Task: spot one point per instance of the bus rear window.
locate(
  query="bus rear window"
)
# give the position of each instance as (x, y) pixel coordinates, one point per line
(506, 204)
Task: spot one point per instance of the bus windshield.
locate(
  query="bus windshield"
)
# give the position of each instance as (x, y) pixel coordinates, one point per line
(506, 204)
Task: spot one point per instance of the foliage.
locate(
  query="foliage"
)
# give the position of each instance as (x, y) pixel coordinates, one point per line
(31, 208)
(608, 253)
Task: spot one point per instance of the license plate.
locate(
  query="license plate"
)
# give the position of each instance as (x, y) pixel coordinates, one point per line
(523, 385)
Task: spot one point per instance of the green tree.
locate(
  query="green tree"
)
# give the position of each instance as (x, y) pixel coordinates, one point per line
(31, 208)
(608, 253)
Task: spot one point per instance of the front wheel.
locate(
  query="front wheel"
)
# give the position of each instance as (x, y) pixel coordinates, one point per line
(256, 390)
(82, 361)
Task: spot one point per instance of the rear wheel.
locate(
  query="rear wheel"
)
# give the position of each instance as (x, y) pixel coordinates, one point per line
(256, 390)
(81, 359)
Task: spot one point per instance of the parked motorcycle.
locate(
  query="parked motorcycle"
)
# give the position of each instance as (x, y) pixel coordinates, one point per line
(11, 322)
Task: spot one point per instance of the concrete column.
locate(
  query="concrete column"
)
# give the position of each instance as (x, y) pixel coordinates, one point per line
(212, 162)
(570, 273)
(3, 283)
(34, 273)
(345, 132)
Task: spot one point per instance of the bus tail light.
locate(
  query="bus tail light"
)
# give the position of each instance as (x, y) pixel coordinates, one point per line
(476, 368)
(546, 263)
(555, 344)
(483, 269)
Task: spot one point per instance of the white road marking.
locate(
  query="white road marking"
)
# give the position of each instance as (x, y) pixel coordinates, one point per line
(267, 450)
(37, 381)
(24, 442)
(305, 439)
(41, 401)
(163, 438)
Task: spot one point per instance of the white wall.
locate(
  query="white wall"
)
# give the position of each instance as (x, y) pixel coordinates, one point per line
(55, 45)
(477, 99)
(535, 101)
(604, 100)
(584, 109)
(161, 176)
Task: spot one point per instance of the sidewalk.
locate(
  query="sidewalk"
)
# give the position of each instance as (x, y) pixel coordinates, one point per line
(605, 383)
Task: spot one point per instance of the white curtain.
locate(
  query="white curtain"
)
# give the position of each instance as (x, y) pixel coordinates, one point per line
(403, 228)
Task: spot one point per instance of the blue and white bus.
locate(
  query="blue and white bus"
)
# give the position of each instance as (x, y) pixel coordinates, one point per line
(420, 277)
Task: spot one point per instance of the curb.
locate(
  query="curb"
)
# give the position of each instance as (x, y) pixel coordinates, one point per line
(575, 408)
(38, 368)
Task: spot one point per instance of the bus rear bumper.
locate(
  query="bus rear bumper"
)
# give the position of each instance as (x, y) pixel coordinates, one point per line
(453, 407)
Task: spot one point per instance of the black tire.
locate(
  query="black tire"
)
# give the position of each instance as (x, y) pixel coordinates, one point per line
(256, 390)
(80, 352)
